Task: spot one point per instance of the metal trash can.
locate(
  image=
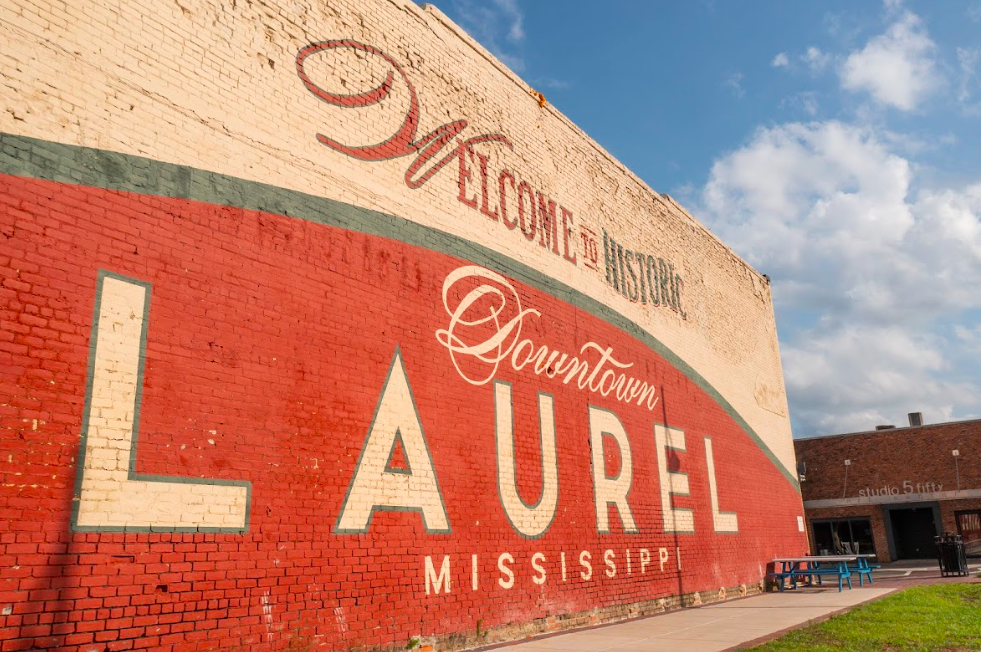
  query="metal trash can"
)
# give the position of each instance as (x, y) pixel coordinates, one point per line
(951, 555)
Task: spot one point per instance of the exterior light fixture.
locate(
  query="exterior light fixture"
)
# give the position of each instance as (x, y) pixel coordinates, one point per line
(956, 453)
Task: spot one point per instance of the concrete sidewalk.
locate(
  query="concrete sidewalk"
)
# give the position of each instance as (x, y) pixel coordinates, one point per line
(904, 574)
(712, 628)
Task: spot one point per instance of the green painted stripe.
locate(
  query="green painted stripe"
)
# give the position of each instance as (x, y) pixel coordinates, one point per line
(40, 159)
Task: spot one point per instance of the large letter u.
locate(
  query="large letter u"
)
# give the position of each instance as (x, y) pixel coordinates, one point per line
(531, 521)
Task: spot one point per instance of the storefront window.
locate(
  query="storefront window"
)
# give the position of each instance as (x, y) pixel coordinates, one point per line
(843, 537)
(969, 527)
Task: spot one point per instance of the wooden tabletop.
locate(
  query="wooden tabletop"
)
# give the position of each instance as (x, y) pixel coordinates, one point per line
(817, 558)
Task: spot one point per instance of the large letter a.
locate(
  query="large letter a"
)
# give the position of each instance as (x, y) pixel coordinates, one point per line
(375, 484)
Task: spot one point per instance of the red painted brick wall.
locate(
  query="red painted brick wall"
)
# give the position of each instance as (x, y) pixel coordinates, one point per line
(269, 339)
(292, 218)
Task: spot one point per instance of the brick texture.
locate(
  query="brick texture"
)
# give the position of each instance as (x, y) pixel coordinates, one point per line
(891, 468)
(236, 409)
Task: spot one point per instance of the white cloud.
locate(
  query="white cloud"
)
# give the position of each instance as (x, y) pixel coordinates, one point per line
(805, 177)
(969, 339)
(857, 377)
(806, 101)
(512, 13)
(826, 209)
(832, 23)
(734, 83)
(968, 60)
(498, 25)
(550, 83)
(892, 6)
(896, 68)
(815, 59)
(812, 58)
(973, 12)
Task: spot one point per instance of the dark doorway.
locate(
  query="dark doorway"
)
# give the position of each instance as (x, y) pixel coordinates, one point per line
(913, 530)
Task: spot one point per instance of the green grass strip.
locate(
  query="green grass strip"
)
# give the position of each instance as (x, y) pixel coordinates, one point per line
(939, 618)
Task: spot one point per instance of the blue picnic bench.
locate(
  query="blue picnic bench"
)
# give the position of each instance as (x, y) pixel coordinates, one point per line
(817, 568)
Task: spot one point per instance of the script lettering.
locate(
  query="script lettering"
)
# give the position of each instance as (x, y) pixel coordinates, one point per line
(485, 328)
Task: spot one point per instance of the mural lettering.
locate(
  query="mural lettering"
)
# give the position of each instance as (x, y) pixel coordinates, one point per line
(109, 494)
(485, 329)
(642, 277)
(625, 562)
(503, 195)
(519, 205)
(375, 484)
(404, 141)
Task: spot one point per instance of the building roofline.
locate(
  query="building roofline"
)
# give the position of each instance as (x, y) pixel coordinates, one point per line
(668, 202)
(897, 428)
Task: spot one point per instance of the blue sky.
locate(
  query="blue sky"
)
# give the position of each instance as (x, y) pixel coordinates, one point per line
(834, 145)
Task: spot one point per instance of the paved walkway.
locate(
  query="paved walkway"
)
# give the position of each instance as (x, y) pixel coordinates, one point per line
(712, 628)
(904, 574)
(736, 624)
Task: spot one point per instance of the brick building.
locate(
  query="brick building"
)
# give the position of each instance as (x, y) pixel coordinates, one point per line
(891, 490)
(320, 329)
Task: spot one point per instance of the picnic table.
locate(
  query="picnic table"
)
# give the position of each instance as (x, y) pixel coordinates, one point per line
(820, 566)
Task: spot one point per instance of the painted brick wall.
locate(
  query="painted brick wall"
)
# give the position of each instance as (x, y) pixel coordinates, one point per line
(265, 384)
(892, 469)
(881, 459)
